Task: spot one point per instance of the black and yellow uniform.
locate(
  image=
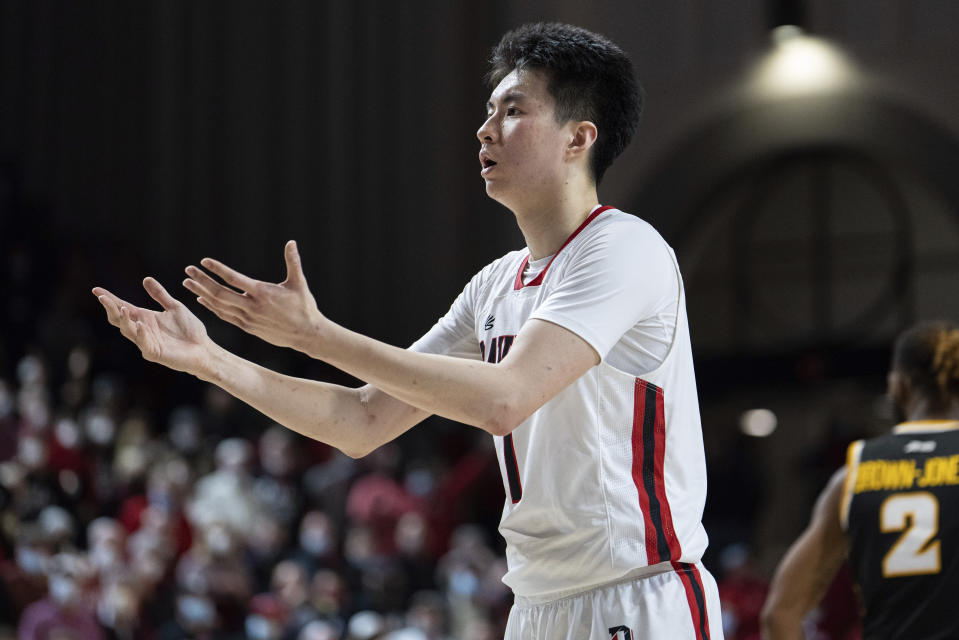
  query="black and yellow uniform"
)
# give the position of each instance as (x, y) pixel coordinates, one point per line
(900, 510)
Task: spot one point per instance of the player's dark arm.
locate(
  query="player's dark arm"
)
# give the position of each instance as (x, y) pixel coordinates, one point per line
(808, 568)
(543, 360)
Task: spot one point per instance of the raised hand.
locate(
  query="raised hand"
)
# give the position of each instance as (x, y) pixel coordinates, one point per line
(284, 314)
(173, 337)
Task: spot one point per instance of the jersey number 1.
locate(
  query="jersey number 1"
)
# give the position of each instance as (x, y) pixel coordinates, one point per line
(916, 551)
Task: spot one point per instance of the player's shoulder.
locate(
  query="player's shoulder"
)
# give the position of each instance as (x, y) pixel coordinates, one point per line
(621, 234)
(616, 223)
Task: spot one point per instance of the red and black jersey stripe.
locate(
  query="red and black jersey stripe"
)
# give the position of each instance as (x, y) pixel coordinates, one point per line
(649, 449)
(695, 596)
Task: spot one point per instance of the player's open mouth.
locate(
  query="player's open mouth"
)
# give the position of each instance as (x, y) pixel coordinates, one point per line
(486, 162)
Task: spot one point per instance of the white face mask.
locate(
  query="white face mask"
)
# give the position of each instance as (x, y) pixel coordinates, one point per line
(67, 433)
(259, 628)
(419, 482)
(218, 541)
(463, 582)
(196, 612)
(31, 561)
(32, 453)
(106, 613)
(36, 411)
(30, 370)
(315, 541)
(100, 428)
(105, 557)
(64, 590)
(116, 607)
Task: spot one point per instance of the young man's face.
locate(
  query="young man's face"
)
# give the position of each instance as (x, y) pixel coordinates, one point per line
(523, 148)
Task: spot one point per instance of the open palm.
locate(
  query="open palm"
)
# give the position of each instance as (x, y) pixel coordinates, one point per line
(173, 337)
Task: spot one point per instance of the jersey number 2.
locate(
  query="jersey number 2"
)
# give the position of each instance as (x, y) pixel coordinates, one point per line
(916, 551)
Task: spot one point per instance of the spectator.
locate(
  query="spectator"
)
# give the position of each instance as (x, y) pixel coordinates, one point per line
(291, 585)
(67, 610)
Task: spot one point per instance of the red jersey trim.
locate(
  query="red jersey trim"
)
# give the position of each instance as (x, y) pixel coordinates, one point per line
(649, 452)
(695, 597)
(538, 280)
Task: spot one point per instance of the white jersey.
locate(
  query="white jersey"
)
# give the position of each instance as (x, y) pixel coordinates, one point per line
(608, 478)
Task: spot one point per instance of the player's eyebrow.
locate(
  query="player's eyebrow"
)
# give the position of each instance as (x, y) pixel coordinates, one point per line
(512, 96)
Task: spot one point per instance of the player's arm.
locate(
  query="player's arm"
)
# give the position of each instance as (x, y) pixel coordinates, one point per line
(355, 421)
(808, 568)
(543, 360)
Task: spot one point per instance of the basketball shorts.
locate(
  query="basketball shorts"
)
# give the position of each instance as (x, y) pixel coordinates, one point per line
(677, 604)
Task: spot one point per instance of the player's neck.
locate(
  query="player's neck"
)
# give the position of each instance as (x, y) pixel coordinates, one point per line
(546, 224)
(924, 410)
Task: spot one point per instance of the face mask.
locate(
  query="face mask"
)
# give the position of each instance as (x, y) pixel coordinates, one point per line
(116, 606)
(104, 557)
(259, 628)
(106, 613)
(218, 541)
(315, 541)
(463, 582)
(67, 433)
(185, 436)
(36, 412)
(32, 453)
(63, 590)
(29, 370)
(196, 611)
(161, 500)
(277, 464)
(419, 482)
(100, 429)
(31, 561)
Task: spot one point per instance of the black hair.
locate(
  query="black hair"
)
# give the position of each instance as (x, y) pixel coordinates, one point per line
(589, 77)
(928, 355)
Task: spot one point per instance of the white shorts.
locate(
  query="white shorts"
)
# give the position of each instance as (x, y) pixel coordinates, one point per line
(678, 604)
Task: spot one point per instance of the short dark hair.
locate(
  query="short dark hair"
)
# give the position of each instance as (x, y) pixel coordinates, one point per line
(589, 77)
(928, 355)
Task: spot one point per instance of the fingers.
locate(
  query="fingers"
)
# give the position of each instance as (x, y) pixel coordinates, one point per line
(235, 278)
(222, 314)
(111, 303)
(158, 293)
(206, 287)
(294, 267)
(131, 327)
(120, 314)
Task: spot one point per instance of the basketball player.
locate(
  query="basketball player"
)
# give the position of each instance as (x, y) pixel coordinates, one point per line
(573, 353)
(891, 511)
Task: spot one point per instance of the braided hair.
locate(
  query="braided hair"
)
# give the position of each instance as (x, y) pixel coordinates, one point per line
(928, 355)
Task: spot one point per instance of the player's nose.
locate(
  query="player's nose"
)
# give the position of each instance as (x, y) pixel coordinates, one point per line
(485, 133)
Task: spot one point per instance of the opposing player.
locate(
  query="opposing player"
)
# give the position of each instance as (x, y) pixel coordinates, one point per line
(573, 353)
(893, 510)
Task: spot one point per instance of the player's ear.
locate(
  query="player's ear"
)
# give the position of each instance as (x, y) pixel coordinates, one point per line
(582, 137)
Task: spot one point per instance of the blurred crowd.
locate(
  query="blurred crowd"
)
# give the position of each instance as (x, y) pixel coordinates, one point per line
(115, 526)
